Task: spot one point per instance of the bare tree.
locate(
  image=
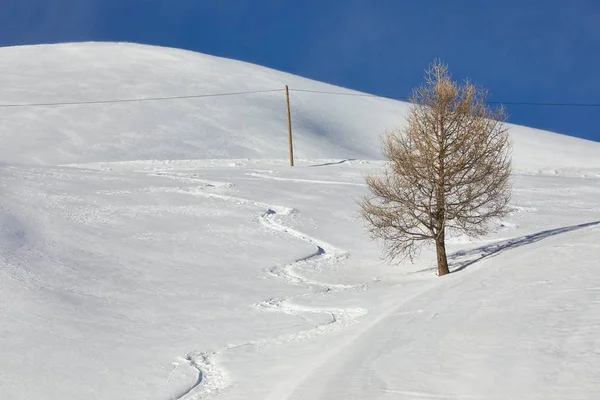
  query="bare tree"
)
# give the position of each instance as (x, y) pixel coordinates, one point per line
(448, 170)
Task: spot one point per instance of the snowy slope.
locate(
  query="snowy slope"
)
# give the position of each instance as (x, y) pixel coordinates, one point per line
(245, 126)
(161, 264)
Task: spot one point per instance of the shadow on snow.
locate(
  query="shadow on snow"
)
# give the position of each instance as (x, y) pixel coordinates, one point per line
(483, 252)
(333, 163)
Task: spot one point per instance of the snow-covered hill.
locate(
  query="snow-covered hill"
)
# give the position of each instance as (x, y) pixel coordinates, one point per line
(165, 250)
(237, 126)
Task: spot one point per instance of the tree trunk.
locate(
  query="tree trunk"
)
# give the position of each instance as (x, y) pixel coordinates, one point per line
(442, 260)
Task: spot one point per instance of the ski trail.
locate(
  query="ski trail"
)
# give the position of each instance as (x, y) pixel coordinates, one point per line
(237, 200)
(192, 178)
(276, 178)
(324, 252)
(212, 378)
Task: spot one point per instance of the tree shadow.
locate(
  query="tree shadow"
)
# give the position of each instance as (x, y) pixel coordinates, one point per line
(483, 252)
(333, 163)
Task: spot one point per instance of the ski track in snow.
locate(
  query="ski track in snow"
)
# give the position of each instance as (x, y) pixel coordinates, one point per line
(276, 178)
(212, 378)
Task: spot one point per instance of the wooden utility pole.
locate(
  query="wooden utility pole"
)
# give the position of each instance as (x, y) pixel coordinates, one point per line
(289, 115)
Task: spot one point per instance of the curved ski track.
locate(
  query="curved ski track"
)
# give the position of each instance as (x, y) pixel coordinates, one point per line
(212, 379)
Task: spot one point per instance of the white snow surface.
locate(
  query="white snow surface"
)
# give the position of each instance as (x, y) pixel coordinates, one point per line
(238, 126)
(165, 250)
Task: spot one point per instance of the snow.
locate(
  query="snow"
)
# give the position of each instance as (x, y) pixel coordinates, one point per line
(165, 250)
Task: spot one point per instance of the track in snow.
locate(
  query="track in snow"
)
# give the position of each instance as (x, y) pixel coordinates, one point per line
(212, 379)
(470, 322)
(324, 252)
(321, 182)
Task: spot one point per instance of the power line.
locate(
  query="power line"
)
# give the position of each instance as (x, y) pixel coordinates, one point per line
(348, 94)
(143, 99)
(197, 96)
(524, 103)
(512, 103)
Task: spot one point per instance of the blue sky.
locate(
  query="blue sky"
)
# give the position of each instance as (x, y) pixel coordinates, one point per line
(527, 50)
